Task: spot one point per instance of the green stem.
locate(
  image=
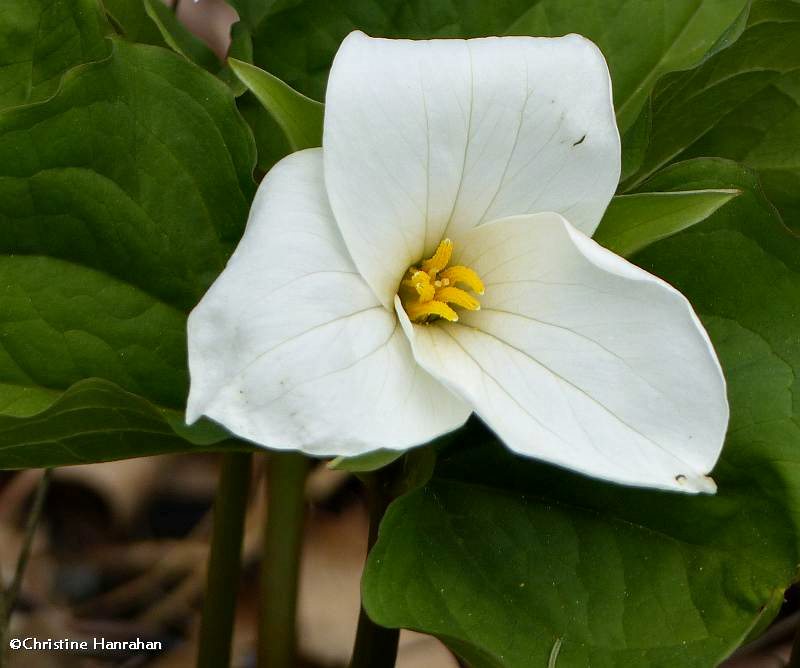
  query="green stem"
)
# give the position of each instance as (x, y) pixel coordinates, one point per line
(375, 646)
(8, 598)
(224, 562)
(280, 565)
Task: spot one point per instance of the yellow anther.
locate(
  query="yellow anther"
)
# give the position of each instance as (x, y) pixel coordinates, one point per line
(463, 275)
(440, 259)
(418, 311)
(429, 289)
(457, 297)
(418, 278)
(421, 283)
(426, 292)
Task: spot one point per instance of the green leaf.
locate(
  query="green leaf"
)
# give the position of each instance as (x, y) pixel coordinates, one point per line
(420, 458)
(743, 104)
(96, 421)
(641, 40)
(61, 321)
(251, 12)
(634, 143)
(270, 138)
(178, 37)
(633, 222)
(132, 22)
(241, 48)
(372, 461)
(121, 198)
(42, 39)
(505, 558)
(766, 616)
(298, 116)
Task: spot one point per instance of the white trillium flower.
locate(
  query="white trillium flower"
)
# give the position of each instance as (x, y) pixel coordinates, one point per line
(434, 258)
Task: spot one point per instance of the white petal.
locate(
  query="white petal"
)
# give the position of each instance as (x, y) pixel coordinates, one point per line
(427, 139)
(580, 358)
(291, 349)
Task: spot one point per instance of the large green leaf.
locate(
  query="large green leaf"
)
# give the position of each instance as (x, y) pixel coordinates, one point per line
(641, 40)
(633, 222)
(42, 39)
(511, 562)
(96, 421)
(130, 18)
(744, 104)
(121, 199)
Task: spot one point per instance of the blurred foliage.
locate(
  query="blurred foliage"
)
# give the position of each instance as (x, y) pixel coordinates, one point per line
(296, 41)
(742, 104)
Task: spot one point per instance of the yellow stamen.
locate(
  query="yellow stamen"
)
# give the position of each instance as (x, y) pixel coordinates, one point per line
(439, 260)
(419, 311)
(429, 289)
(463, 275)
(458, 297)
(421, 282)
(426, 292)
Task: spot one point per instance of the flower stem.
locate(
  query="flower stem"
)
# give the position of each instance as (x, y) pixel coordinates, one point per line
(375, 646)
(8, 598)
(224, 561)
(280, 565)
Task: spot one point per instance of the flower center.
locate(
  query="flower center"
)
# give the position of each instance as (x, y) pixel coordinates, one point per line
(428, 291)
